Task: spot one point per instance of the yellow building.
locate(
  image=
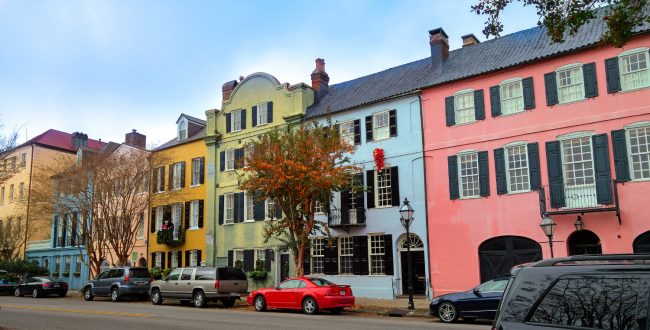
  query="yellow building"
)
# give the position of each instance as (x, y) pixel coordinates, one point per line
(177, 226)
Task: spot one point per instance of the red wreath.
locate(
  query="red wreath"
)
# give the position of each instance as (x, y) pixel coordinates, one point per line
(378, 154)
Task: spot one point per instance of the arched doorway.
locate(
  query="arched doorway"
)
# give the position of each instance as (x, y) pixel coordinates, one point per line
(499, 254)
(642, 243)
(583, 242)
(418, 270)
(142, 262)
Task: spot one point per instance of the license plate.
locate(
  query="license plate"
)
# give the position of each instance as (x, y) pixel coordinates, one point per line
(342, 292)
(139, 283)
(234, 294)
(55, 285)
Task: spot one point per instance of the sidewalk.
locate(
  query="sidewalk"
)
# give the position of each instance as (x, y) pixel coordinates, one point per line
(392, 307)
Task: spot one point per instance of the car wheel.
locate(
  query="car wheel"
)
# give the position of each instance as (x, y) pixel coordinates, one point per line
(447, 312)
(228, 302)
(260, 303)
(199, 299)
(18, 292)
(156, 297)
(88, 294)
(336, 311)
(36, 293)
(115, 294)
(309, 306)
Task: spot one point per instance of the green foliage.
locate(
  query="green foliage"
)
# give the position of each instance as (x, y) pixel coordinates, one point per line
(563, 16)
(166, 237)
(238, 264)
(259, 273)
(159, 274)
(65, 274)
(76, 274)
(55, 274)
(19, 268)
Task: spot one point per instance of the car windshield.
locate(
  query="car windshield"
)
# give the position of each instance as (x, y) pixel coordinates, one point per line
(139, 273)
(321, 282)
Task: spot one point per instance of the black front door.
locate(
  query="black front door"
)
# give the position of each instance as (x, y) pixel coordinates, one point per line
(284, 266)
(417, 272)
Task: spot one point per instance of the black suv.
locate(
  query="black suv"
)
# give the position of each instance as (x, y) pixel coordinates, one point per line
(119, 282)
(578, 292)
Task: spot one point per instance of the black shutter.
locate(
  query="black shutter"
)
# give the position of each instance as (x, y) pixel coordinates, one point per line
(183, 174)
(243, 118)
(551, 88)
(254, 118)
(333, 267)
(533, 166)
(359, 196)
(357, 131)
(306, 261)
(162, 176)
(170, 181)
(495, 100)
(269, 112)
(228, 123)
(162, 260)
(363, 249)
(483, 173)
(242, 206)
(249, 260)
(237, 153)
(619, 144)
(198, 257)
(368, 128)
(236, 211)
(201, 204)
(388, 253)
(154, 180)
(268, 256)
(591, 84)
(169, 258)
(153, 260)
(601, 168)
(201, 170)
(278, 210)
(167, 213)
(187, 214)
(345, 206)
(221, 209)
(613, 75)
(394, 185)
(500, 171)
(187, 258)
(56, 232)
(356, 255)
(222, 161)
(370, 193)
(452, 165)
(152, 224)
(479, 105)
(230, 258)
(555, 179)
(392, 120)
(258, 208)
(449, 111)
(529, 93)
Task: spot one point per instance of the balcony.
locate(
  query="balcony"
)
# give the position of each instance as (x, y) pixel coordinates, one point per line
(579, 199)
(352, 218)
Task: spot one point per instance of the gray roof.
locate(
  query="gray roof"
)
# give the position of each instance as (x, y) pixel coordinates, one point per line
(174, 142)
(496, 54)
(192, 119)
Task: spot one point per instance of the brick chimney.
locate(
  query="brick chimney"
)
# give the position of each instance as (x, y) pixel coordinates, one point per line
(135, 139)
(439, 42)
(227, 89)
(470, 39)
(320, 79)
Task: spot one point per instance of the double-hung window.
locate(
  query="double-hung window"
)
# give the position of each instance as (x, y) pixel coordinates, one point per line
(512, 96)
(238, 255)
(262, 114)
(318, 209)
(570, 85)
(177, 213)
(260, 254)
(383, 192)
(468, 174)
(377, 254)
(160, 210)
(229, 208)
(140, 232)
(249, 206)
(194, 214)
(347, 132)
(464, 111)
(196, 171)
(380, 126)
(230, 159)
(67, 264)
(194, 258)
(346, 253)
(317, 256)
(577, 160)
(175, 262)
(57, 264)
(182, 130)
(160, 179)
(159, 259)
(271, 208)
(516, 159)
(639, 151)
(77, 264)
(236, 116)
(634, 69)
(178, 168)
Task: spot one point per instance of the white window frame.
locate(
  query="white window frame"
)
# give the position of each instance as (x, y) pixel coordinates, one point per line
(511, 104)
(461, 177)
(177, 169)
(262, 114)
(260, 254)
(236, 255)
(579, 83)
(57, 264)
(460, 117)
(267, 204)
(160, 212)
(228, 208)
(379, 130)
(374, 254)
(623, 67)
(159, 259)
(379, 202)
(139, 233)
(317, 254)
(194, 256)
(196, 172)
(236, 117)
(346, 131)
(175, 263)
(318, 209)
(160, 182)
(509, 170)
(249, 207)
(628, 128)
(194, 214)
(182, 130)
(346, 252)
(177, 218)
(77, 264)
(229, 160)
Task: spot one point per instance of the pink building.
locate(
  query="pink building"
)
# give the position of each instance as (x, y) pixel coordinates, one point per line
(517, 129)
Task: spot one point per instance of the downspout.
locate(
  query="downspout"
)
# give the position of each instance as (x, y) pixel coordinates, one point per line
(29, 194)
(426, 208)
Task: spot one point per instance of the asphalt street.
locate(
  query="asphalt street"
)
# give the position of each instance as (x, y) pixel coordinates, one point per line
(74, 313)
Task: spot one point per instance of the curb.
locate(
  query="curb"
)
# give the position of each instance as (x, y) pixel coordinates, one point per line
(394, 313)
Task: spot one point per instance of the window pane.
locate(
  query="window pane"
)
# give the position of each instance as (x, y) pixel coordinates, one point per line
(639, 141)
(317, 256)
(464, 108)
(634, 70)
(380, 123)
(347, 132)
(517, 164)
(469, 178)
(384, 193)
(346, 253)
(377, 255)
(512, 98)
(570, 85)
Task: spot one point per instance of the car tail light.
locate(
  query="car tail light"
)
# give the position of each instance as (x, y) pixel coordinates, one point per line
(64, 284)
(46, 285)
(216, 284)
(126, 279)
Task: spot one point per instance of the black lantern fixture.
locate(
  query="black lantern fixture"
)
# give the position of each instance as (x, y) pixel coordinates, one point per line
(548, 226)
(579, 224)
(406, 218)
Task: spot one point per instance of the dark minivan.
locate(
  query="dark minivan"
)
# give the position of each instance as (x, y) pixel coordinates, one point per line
(119, 282)
(578, 292)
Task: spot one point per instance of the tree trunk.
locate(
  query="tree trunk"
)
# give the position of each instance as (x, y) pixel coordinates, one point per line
(299, 260)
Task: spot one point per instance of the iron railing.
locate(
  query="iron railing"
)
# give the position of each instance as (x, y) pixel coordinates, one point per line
(578, 199)
(354, 217)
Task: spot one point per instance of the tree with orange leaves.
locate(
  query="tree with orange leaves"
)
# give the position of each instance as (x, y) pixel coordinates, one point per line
(297, 167)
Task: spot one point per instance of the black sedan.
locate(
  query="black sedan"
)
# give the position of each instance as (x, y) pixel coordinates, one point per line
(479, 303)
(42, 286)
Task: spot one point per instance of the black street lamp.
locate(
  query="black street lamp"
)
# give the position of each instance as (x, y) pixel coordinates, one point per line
(548, 226)
(579, 224)
(406, 218)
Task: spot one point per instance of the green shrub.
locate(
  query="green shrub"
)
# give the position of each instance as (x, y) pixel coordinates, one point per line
(159, 274)
(20, 268)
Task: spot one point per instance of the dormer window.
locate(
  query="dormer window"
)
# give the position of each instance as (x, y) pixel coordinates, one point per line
(182, 129)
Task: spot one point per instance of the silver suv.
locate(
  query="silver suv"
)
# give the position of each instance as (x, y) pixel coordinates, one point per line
(119, 282)
(200, 285)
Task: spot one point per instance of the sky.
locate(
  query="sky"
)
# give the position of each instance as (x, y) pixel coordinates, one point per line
(107, 67)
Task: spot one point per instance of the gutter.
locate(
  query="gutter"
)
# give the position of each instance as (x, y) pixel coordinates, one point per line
(29, 199)
(426, 206)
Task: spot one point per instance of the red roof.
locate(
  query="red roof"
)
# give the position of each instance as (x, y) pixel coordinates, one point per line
(61, 140)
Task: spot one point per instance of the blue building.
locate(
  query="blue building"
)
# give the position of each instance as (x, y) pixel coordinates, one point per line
(378, 113)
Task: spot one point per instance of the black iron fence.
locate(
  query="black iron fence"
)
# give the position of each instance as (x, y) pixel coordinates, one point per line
(351, 217)
(585, 198)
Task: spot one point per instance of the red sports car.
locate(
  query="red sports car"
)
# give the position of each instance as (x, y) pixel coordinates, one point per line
(310, 294)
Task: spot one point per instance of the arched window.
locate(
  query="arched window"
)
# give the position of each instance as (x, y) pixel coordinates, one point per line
(413, 240)
(584, 242)
(642, 243)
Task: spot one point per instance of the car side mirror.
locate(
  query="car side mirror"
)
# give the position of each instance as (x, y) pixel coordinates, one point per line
(477, 292)
(277, 287)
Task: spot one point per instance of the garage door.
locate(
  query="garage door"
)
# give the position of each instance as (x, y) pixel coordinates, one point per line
(498, 255)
